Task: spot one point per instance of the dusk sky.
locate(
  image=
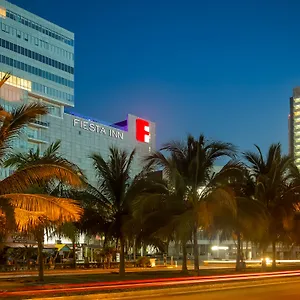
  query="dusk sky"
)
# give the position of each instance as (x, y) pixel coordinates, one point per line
(222, 68)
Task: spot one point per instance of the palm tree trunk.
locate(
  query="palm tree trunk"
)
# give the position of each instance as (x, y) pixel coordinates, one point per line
(196, 250)
(263, 262)
(238, 252)
(134, 249)
(74, 254)
(274, 255)
(122, 258)
(40, 240)
(184, 257)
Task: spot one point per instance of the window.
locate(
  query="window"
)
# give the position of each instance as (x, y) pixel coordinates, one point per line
(17, 82)
(37, 27)
(32, 146)
(54, 110)
(36, 71)
(36, 56)
(5, 28)
(37, 87)
(18, 33)
(2, 12)
(32, 133)
(26, 37)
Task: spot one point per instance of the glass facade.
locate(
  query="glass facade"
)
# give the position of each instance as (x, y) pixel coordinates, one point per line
(18, 82)
(38, 42)
(39, 52)
(38, 27)
(35, 71)
(53, 93)
(36, 56)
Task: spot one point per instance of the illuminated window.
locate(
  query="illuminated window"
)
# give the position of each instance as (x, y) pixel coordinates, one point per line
(17, 82)
(2, 12)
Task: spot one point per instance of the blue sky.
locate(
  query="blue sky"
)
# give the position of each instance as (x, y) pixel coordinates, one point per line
(222, 68)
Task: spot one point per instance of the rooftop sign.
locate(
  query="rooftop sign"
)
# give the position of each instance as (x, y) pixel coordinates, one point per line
(142, 131)
(93, 127)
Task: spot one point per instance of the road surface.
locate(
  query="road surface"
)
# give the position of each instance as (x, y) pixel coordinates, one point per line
(243, 286)
(284, 291)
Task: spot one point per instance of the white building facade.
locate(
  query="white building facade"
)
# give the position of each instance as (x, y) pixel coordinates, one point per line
(39, 55)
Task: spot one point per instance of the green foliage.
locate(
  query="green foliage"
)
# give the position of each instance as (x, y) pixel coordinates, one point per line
(108, 207)
(192, 193)
(143, 262)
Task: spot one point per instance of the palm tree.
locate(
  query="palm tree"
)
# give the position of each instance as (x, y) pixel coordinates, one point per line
(13, 199)
(190, 169)
(107, 206)
(162, 221)
(249, 220)
(38, 207)
(70, 231)
(272, 178)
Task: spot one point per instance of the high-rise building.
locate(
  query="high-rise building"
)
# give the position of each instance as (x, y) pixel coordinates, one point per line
(294, 126)
(39, 55)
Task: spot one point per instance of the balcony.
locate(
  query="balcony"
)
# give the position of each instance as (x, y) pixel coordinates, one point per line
(40, 124)
(36, 138)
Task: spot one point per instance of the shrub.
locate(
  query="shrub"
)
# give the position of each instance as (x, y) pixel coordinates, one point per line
(143, 262)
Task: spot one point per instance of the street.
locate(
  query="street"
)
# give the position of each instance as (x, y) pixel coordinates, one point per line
(250, 288)
(285, 290)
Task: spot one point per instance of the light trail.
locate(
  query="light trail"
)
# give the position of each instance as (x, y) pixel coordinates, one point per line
(145, 283)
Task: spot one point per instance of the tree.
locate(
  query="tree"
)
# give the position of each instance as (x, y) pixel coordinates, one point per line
(70, 231)
(107, 206)
(37, 208)
(272, 178)
(14, 202)
(249, 220)
(190, 170)
(160, 214)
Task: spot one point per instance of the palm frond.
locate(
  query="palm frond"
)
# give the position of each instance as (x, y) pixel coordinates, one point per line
(52, 149)
(4, 79)
(43, 207)
(18, 160)
(27, 221)
(254, 161)
(40, 172)
(13, 122)
(218, 149)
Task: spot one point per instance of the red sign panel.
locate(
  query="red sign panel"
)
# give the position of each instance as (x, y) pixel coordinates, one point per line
(142, 131)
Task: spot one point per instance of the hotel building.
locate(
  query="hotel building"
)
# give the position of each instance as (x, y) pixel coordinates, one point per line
(39, 55)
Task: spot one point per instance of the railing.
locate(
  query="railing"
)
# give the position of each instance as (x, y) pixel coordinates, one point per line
(46, 124)
(36, 137)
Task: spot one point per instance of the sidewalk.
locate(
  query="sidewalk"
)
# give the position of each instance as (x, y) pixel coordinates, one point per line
(66, 272)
